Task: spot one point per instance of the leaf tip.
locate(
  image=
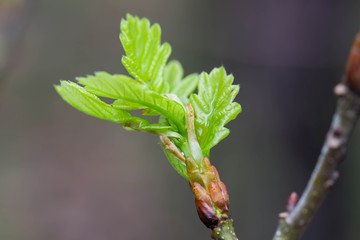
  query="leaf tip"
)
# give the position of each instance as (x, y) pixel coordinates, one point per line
(57, 87)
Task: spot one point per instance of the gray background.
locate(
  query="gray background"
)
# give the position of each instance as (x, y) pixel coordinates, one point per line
(68, 176)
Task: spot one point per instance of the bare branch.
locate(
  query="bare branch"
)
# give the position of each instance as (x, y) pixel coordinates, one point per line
(334, 150)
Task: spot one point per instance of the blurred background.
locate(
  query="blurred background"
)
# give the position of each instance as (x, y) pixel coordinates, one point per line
(68, 176)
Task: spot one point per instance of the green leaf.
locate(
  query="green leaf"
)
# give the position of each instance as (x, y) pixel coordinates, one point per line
(125, 105)
(128, 90)
(158, 88)
(150, 112)
(187, 86)
(178, 165)
(214, 107)
(145, 56)
(173, 75)
(90, 104)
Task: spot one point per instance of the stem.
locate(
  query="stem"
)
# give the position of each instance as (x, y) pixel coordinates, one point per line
(192, 139)
(325, 174)
(224, 231)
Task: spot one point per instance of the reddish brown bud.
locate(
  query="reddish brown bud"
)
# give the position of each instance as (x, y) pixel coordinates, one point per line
(207, 214)
(352, 76)
(204, 206)
(292, 201)
(221, 185)
(218, 198)
(211, 197)
(200, 193)
(217, 177)
(207, 171)
(225, 192)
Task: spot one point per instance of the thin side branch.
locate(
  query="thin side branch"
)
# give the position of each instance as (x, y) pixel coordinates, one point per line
(325, 174)
(299, 213)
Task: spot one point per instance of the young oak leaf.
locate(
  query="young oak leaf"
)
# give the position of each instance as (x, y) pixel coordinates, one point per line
(181, 87)
(90, 104)
(214, 107)
(173, 73)
(145, 56)
(158, 89)
(125, 105)
(139, 95)
(178, 165)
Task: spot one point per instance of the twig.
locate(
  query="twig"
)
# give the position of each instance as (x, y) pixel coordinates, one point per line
(224, 231)
(293, 222)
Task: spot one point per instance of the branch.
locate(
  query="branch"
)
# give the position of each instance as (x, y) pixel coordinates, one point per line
(224, 231)
(293, 222)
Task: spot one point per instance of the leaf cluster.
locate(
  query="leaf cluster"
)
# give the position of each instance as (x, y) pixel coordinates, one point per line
(157, 88)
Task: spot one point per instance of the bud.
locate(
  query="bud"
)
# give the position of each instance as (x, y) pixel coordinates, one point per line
(203, 174)
(211, 196)
(200, 193)
(222, 186)
(207, 172)
(225, 193)
(292, 201)
(205, 210)
(352, 75)
(218, 198)
(193, 172)
(217, 177)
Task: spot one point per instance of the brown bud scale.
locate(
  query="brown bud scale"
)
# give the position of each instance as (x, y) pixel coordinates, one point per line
(217, 196)
(352, 75)
(207, 214)
(211, 196)
(201, 194)
(225, 192)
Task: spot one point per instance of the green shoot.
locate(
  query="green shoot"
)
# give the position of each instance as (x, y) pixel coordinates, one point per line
(159, 88)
